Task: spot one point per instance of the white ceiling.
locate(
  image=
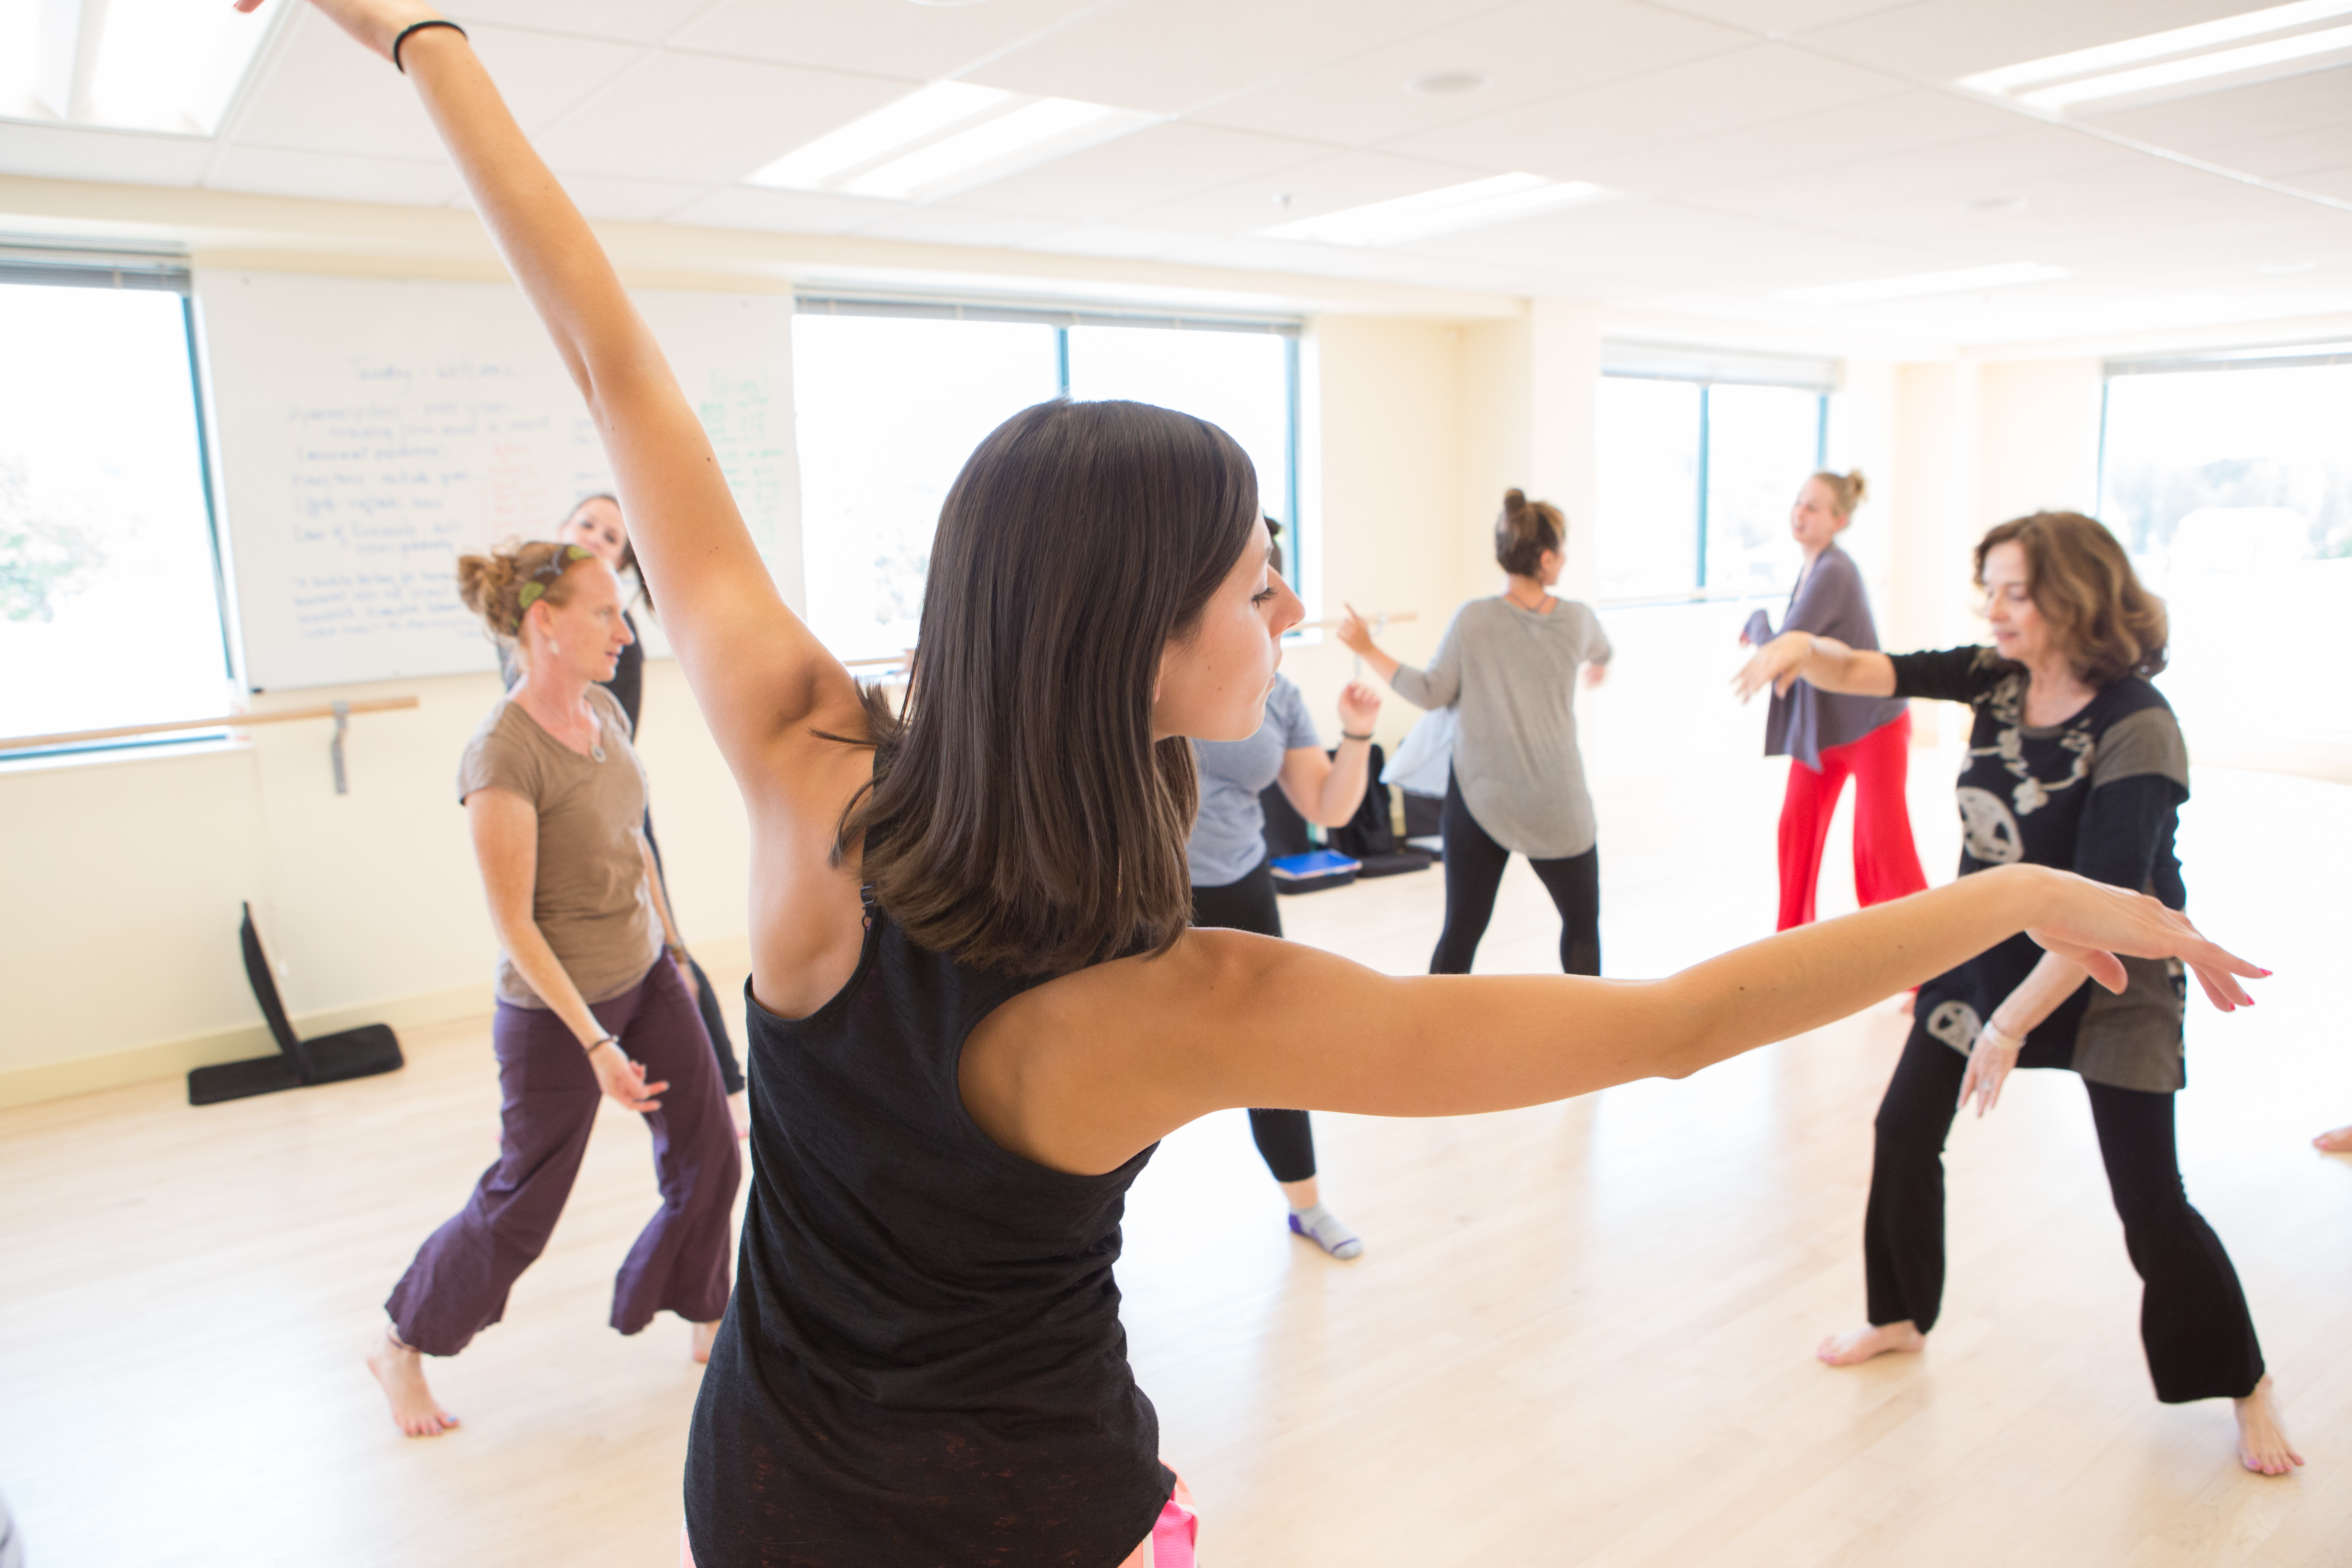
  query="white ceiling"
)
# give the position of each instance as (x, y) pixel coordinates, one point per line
(1763, 145)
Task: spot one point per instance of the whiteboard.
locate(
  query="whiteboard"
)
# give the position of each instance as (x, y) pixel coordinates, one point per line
(368, 431)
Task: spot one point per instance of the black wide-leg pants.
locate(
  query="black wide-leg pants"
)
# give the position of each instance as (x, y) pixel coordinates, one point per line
(1285, 1139)
(2193, 1319)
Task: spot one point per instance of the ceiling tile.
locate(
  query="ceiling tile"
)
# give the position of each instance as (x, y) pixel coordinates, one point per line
(785, 212)
(960, 225)
(335, 176)
(1118, 239)
(914, 43)
(1529, 52)
(1558, 137)
(1822, 139)
(1944, 177)
(1942, 41)
(1326, 186)
(1171, 55)
(325, 94)
(629, 21)
(117, 157)
(1160, 164)
(694, 117)
(2211, 121)
(2287, 158)
(1787, 16)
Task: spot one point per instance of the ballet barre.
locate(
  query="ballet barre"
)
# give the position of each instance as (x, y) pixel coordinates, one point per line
(1384, 618)
(338, 712)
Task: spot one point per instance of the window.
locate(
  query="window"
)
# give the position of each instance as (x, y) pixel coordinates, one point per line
(1698, 463)
(892, 399)
(2228, 481)
(109, 580)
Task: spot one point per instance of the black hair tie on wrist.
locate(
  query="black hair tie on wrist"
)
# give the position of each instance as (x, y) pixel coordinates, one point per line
(402, 37)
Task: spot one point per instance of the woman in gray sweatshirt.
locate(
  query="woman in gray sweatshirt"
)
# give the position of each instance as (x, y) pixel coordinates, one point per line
(1509, 664)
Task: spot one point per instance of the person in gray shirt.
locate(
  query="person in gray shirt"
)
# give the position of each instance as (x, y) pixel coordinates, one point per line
(1232, 886)
(1509, 664)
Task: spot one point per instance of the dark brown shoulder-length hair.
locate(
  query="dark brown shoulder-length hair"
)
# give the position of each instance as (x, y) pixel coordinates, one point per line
(1022, 818)
(1524, 530)
(2084, 584)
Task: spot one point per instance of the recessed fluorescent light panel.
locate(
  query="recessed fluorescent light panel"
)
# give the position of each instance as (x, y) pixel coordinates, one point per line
(141, 65)
(1914, 285)
(2284, 36)
(949, 136)
(1449, 210)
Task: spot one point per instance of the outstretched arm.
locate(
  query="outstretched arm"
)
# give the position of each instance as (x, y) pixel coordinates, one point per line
(759, 677)
(1819, 661)
(1081, 1072)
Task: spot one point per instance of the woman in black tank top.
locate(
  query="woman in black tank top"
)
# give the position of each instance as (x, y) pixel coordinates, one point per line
(977, 1005)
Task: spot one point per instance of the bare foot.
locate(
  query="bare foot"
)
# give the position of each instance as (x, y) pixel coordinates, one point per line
(2338, 1141)
(2262, 1447)
(1858, 1345)
(401, 1372)
(705, 1334)
(739, 1106)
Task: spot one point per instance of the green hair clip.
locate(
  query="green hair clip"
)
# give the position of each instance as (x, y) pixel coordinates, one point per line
(548, 571)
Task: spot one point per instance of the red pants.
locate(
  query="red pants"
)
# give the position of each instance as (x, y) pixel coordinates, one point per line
(1885, 861)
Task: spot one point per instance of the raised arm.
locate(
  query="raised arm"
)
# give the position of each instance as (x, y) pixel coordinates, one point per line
(761, 680)
(1326, 789)
(1819, 661)
(1081, 1073)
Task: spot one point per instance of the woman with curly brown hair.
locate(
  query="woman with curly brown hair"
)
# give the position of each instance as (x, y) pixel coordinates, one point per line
(594, 998)
(977, 1002)
(2075, 762)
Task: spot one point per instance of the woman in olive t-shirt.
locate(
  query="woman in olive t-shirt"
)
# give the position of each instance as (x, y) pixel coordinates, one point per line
(590, 1004)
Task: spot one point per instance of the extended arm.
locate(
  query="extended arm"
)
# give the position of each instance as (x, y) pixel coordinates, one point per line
(1819, 661)
(1436, 686)
(506, 845)
(757, 674)
(1081, 1073)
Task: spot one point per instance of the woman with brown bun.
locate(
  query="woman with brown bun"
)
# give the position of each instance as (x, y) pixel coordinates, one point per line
(597, 525)
(977, 1002)
(590, 1005)
(1510, 664)
(1830, 736)
(2076, 763)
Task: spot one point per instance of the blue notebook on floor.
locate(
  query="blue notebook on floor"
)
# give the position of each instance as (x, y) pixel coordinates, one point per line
(1315, 869)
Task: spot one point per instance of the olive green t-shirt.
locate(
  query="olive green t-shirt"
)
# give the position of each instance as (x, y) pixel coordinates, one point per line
(590, 897)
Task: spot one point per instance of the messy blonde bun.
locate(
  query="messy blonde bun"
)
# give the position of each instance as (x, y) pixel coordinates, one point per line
(1847, 491)
(1524, 531)
(492, 585)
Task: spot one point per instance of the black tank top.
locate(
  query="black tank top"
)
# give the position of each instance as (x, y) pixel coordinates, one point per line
(922, 1366)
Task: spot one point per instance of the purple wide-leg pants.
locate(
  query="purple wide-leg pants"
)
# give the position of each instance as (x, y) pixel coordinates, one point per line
(457, 1285)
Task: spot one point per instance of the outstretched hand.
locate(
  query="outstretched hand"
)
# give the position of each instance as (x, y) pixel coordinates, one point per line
(1774, 665)
(2098, 923)
(1354, 633)
(374, 23)
(1359, 707)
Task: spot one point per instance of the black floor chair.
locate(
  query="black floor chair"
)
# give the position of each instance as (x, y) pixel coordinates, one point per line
(362, 1052)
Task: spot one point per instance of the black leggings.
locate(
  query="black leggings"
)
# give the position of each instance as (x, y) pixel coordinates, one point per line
(705, 998)
(2192, 1316)
(1474, 869)
(1283, 1137)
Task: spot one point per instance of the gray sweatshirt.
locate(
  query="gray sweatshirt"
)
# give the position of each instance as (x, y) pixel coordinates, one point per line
(1512, 673)
(1829, 600)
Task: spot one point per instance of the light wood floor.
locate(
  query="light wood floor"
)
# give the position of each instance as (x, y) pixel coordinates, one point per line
(1579, 1333)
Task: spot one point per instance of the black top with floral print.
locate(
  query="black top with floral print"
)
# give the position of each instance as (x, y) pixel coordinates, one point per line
(2099, 795)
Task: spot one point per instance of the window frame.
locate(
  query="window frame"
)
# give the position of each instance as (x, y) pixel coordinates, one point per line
(1063, 318)
(1708, 369)
(165, 272)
